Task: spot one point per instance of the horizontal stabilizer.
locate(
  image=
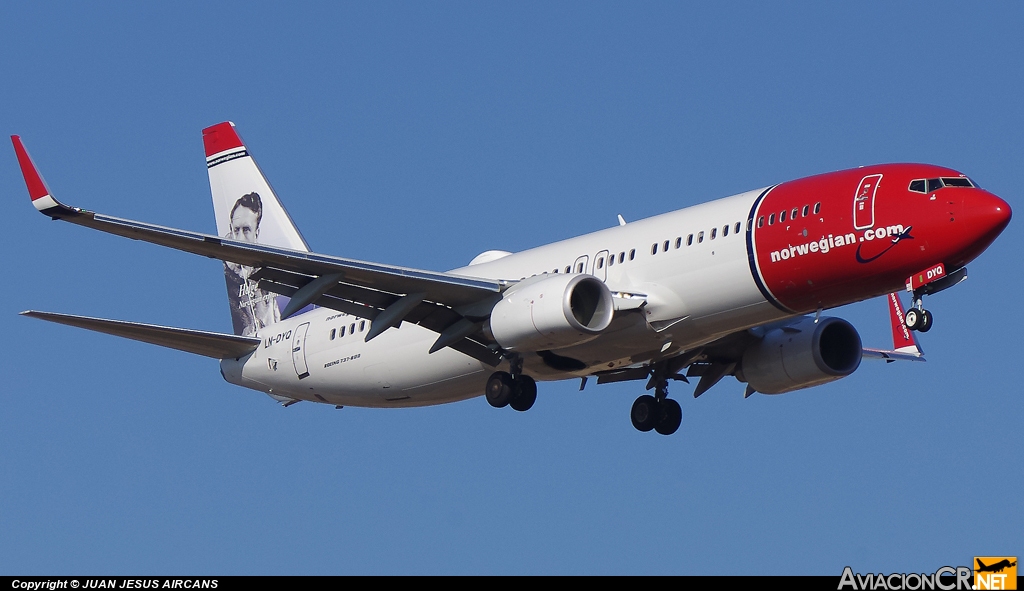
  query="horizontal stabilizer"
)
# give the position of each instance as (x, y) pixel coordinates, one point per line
(200, 342)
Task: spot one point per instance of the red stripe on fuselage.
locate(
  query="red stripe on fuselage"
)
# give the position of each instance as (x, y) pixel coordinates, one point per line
(220, 137)
(820, 260)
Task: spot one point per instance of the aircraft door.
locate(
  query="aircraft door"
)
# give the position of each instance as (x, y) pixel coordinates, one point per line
(299, 351)
(601, 265)
(864, 202)
(580, 266)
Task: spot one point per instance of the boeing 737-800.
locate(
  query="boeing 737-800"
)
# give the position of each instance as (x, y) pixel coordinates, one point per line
(734, 287)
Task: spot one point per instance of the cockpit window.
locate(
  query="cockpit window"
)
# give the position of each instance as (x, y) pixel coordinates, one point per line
(931, 185)
(956, 182)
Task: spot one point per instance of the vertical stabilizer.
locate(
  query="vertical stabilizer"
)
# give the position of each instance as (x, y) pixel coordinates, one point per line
(248, 210)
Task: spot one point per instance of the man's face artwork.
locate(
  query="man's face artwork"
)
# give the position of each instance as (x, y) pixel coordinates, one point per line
(244, 225)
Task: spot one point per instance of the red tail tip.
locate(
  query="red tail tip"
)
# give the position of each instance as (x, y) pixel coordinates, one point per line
(220, 137)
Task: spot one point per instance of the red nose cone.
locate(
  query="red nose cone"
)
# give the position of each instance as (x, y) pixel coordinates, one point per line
(986, 214)
(984, 217)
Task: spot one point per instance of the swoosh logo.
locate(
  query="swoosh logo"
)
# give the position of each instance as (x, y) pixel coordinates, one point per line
(904, 235)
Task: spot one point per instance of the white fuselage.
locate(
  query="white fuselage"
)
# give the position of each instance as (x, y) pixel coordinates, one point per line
(696, 291)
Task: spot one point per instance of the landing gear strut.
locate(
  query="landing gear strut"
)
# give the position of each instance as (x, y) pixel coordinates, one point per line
(917, 318)
(515, 389)
(658, 412)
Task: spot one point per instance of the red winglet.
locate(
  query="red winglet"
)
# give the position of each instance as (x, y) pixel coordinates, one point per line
(33, 180)
(902, 339)
(220, 137)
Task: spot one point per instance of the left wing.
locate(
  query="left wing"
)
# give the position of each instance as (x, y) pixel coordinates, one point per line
(452, 305)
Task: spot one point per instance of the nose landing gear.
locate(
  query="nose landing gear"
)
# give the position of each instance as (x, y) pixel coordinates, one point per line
(918, 319)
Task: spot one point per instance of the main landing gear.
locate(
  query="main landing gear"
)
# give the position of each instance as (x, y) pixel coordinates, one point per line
(515, 389)
(658, 412)
(917, 318)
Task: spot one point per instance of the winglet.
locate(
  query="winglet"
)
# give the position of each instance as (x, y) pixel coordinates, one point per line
(41, 196)
(903, 340)
(904, 345)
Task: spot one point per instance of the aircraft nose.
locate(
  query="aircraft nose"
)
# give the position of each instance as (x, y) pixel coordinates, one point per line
(985, 215)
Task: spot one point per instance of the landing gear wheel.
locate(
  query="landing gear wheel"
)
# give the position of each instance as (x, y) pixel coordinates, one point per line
(499, 389)
(926, 321)
(645, 413)
(524, 393)
(671, 416)
(914, 319)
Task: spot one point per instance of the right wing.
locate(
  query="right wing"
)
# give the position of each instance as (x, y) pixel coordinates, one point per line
(452, 305)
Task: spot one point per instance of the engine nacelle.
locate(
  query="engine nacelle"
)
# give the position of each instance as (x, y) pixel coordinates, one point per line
(551, 312)
(802, 355)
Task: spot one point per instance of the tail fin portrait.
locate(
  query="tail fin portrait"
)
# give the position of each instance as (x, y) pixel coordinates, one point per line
(247, 210)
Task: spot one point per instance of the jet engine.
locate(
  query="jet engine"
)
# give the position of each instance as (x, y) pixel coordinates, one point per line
(551, 312)
(802, 355)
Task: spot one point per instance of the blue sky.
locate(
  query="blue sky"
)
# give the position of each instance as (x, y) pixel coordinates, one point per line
(421, 134)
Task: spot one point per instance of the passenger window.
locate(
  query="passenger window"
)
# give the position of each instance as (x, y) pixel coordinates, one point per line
(579, 268)
(737, 227)
(342, 332)
(771, 219)
(611, 260)
(654, 248)
(352, 329)
(934, 185)
(760, 221)
(664, 247)
(725, 230)
(362, 325)
(807, 210)
(700, 237)
(679, 241)
(567, 269)
(689, 240)
(632, 253)
(600, 263)
(622, 257)
(782, 217)
(714, 232)
(792, 215)
(334, 332)
(817, 208)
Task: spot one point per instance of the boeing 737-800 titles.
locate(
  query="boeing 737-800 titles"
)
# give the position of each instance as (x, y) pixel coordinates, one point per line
(730, 287)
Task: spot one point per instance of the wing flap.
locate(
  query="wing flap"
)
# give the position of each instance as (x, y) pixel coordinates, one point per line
(199, 342)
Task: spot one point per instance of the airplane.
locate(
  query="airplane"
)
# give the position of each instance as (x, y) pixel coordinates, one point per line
(995, 568)
(735, 286)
